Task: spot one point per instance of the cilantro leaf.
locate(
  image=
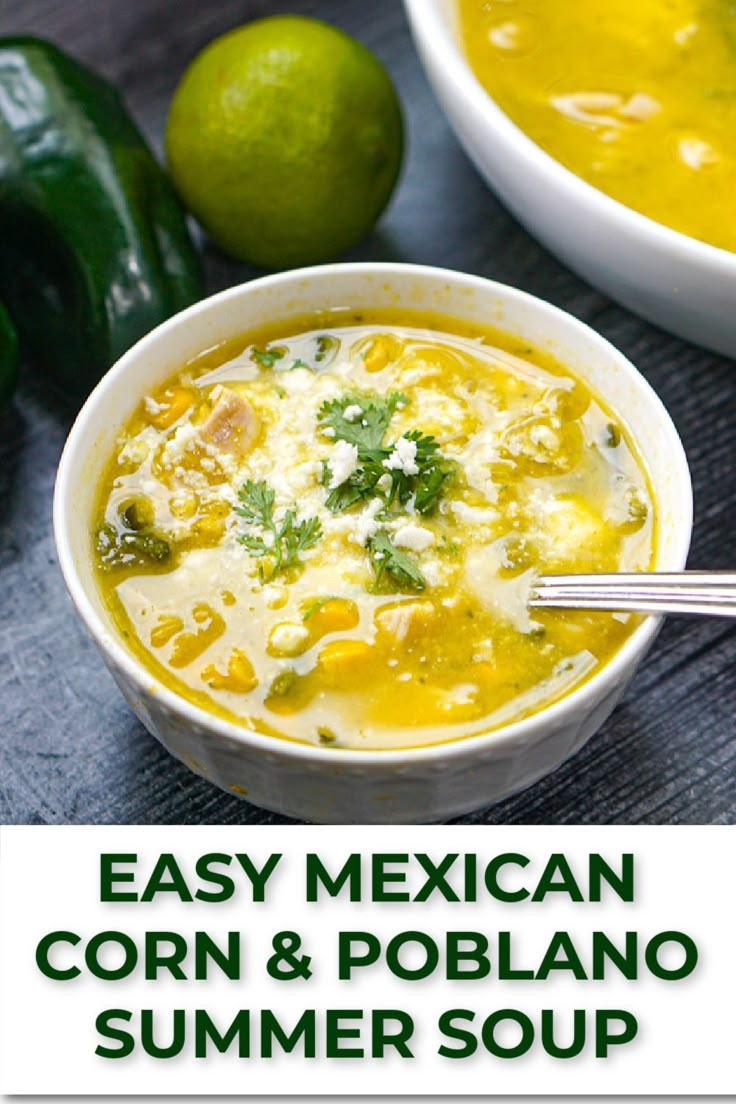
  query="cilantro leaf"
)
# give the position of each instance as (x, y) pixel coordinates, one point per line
(360, 486)
(286, 541)
(384, 472)
(267, 357)
(366, 430)
(426, 484)
(297, 538)
(430, 484)
(386, 557)
(258, 502)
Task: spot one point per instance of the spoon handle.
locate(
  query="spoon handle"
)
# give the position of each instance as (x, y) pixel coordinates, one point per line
(690, 592)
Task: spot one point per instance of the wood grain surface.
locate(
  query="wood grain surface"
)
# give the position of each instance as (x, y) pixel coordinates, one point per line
(70, 750)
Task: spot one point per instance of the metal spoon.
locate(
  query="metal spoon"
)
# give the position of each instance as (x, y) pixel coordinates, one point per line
(689, 592)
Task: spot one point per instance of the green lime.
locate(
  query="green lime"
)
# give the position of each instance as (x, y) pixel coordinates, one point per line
(284, 139)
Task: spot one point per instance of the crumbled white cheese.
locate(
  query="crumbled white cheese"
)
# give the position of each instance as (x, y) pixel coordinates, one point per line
(352, 412)
(464, 693)
(435, 572)
(298, 381)
(543, 437)
(414, 537)
(477, 456)
(403, 458)
(473, 515)
(366, 525)
(303, 476)
(152, 407)
(696, 153)
(180, 443)
(342, 463)
(135, 451)
(564, 526)
(287, 638)
(358, 528)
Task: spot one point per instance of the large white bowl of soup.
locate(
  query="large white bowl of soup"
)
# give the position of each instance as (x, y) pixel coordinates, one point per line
(607, 128)
(302, 520)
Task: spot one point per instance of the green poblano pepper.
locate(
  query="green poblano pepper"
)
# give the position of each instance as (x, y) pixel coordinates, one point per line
(8, 356)
(94, 247)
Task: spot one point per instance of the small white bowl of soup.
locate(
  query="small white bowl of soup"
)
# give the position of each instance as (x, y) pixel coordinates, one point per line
(607, 129)
(303, 518)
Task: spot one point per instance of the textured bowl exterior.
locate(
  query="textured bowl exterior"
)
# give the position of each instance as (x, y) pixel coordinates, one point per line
(328, 785)
(682, 284)
(345, 790)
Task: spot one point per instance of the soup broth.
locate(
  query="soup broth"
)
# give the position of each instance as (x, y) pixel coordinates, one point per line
(638, 97)
(327, 531)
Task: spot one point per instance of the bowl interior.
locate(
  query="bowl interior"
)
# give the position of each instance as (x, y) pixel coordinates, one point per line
(282, 297)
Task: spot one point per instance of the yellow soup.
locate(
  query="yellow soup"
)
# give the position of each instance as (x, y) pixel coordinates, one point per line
(636, 96)
(328, 531)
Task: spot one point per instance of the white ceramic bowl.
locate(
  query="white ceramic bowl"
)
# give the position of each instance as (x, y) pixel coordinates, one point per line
(682, 284)
(320, 784)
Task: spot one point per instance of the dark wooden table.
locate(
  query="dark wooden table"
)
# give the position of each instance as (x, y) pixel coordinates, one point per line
(70, 750)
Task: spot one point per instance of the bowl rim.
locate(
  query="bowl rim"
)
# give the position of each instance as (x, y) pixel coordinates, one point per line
(606, 679)
(429, 28)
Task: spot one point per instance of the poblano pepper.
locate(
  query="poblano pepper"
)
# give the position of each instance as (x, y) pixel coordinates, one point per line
(94, 247)
(8, 357)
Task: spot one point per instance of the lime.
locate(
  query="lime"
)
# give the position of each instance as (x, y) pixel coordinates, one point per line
(284, 139)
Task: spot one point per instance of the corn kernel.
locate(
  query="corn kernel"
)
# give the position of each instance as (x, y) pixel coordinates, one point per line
(380, 352)
(173, 404)
(341, 660)
(240, 677)
(189, 646)
(167, 627)
(333, 616)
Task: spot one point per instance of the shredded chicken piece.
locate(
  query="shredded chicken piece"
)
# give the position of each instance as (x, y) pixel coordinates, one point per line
(232, 425)
(405, 621)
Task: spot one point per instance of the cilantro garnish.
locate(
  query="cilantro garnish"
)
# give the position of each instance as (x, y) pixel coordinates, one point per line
(267, 357)
(378, 475)
(387, 558)
(286, 541)
(366, 431)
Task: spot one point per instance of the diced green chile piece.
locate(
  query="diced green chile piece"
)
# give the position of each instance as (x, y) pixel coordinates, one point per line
(94, 247)
(8, 357)
(116, 548)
